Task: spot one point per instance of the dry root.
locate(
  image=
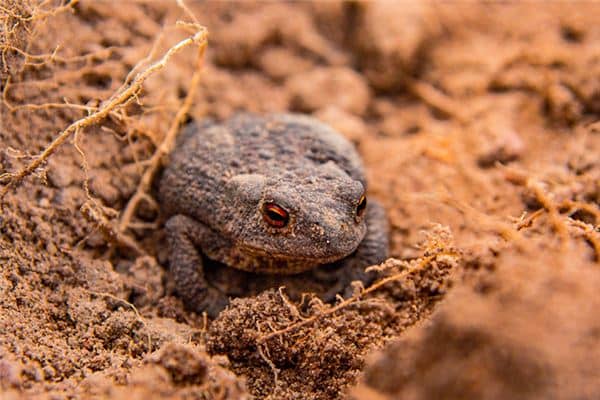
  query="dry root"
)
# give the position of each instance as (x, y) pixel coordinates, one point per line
(437, 247)
(16, 19)
(132, 307)
(117, 101)
(438, 101)
(560, 214)
(167, 143)
(115, 106)
(96, 214)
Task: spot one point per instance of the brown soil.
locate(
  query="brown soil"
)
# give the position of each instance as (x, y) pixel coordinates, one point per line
(479, 128)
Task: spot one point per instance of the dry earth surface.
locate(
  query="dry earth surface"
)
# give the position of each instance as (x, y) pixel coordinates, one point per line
(479, 127)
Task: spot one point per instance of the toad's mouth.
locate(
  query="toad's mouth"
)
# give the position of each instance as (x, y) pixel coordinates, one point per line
(309, 260)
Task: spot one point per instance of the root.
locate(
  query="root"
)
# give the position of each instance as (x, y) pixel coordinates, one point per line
(574, 206)
(45, 59)
(486, 221)
(16, 18)
(562, 221)
(590, 234)
(559, 214)
(527, 220)
(165, 147)
(293, 309)
(94, 214)
(411, 268)
(556, 219)
(271, 365)
(128, 304)
(115, 102)
(437, 100)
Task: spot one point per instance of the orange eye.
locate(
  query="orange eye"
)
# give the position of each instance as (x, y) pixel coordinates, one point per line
(362, 205)
(275, 215)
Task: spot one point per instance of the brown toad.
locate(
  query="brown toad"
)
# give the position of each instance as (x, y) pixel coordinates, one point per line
(276, 194)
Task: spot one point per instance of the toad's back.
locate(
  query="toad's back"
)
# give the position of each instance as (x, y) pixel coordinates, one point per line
(208, 155)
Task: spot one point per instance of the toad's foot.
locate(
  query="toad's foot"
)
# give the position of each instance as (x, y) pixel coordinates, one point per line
(184, 236)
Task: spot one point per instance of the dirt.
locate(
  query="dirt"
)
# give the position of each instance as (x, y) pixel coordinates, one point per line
(479, 127)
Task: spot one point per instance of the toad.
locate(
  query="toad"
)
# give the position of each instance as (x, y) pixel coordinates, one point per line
(277, 194)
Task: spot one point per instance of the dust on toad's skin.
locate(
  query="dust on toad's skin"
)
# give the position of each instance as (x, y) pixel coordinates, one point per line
(280, 194)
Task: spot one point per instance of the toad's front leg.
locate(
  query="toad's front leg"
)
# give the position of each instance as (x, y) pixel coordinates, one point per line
(185, 236)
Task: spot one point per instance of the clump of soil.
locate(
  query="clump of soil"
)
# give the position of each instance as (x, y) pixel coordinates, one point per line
(480, 135)
(318, 349)
(528, 332)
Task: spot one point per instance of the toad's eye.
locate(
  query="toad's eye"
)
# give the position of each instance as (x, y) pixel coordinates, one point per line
(362, 205)
(275, 215)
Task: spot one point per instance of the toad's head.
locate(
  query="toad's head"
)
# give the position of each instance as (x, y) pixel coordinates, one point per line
(301, 218)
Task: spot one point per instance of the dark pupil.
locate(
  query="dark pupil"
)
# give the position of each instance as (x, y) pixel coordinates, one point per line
(276, 216)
